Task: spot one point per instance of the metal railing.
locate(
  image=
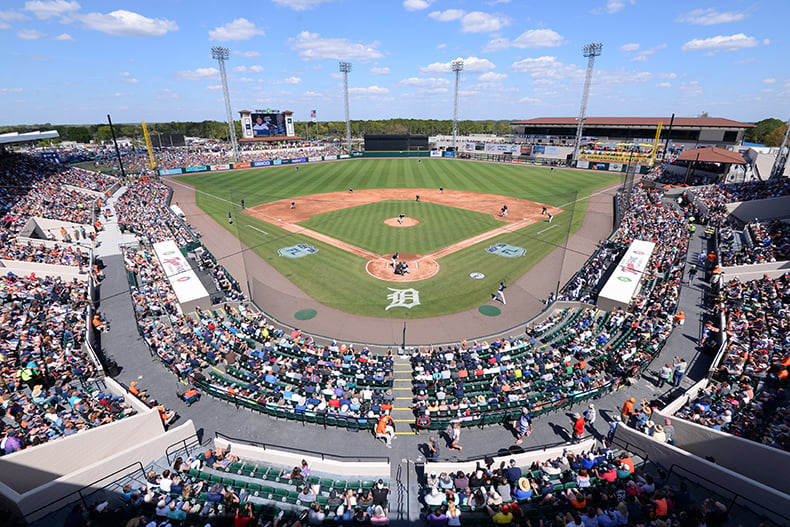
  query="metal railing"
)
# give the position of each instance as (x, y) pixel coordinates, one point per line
(71, 495)
(321, 455)
(184, 444)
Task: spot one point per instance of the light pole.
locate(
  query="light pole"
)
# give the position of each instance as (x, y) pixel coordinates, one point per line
(222, 54)
(590, 51)
(457, 66)
(345, 69)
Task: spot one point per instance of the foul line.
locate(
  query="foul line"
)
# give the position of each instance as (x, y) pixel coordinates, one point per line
(547, 228)
(259, 230)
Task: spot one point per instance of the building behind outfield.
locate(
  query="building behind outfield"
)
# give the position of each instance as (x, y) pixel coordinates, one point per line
(686, 132)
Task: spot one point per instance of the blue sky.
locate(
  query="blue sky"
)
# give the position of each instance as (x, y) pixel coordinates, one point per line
(74, 61)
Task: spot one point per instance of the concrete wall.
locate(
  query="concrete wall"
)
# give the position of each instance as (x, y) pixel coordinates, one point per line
(523, 460)
(746, 273)
(760, 498)
(764, 209)
(366, 469)
(144, 450)
(740, 455)
(66, 272)
(36, 466)
(91, 193)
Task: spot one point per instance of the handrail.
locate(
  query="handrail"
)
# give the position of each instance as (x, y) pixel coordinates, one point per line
(322, 455)
(734, 494)
(181, 442)
(139, 464)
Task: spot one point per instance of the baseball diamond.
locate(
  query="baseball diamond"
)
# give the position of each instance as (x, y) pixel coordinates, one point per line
(342, 210)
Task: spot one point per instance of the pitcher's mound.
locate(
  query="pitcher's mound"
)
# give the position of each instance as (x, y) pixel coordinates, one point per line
(407, 222)
(420, 268)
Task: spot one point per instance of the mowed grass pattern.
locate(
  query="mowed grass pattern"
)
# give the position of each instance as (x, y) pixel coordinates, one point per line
(338, 279)
(439, 226)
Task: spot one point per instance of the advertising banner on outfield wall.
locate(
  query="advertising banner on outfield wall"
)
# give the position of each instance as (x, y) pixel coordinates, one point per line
(615, 167)
(170, 171)
(501, 148)
(277, 162)
(314, 159)
(220, 167)
(330, 158)
(526, 150)
(344, 156)
(582, 164)
(469, 147)
(246, 164)
(262, 163)
(538, 149)
(552, 150)
(449, 154)
(436, 153)
(196, 169)
(297, 160)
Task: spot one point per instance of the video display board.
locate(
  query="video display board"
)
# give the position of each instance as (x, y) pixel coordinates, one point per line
(268, 124)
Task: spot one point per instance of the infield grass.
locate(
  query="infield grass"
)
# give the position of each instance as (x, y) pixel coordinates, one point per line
(337, 278)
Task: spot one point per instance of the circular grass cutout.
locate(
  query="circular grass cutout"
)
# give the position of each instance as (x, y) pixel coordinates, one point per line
(305, 314)
(490, 311)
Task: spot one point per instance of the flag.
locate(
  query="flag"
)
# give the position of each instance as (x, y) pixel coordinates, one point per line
(312, 115)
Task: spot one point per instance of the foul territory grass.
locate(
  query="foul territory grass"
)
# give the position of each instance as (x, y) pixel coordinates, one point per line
(439, 226)
(338, 279)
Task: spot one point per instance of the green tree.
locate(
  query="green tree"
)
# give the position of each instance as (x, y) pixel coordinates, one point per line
(80, 134)
(762, 129)
(775, 136)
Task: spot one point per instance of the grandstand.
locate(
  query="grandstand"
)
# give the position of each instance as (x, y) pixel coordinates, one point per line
(207, 413)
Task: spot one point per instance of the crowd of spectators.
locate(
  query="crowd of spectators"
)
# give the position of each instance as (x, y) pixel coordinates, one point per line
(602, 488)
(768, 242)
(586, 283)
(136, 161)
(270, 367)
(748, 396)
(43, 365)
(144, 211)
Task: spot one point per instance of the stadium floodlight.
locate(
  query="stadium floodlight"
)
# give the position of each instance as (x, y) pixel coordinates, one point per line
(590, 51)
(221, 55)
(457, 67)
(345, 69)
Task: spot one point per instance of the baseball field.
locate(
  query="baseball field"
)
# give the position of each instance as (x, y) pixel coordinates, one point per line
(460, 227)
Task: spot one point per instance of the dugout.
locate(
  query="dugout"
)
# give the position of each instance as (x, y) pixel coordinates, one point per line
(396, 142)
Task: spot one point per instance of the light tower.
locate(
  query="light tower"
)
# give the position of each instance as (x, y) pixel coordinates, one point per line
(222, 54)
(778, 169)
(590, 51)
(345, 69)
(457, 66)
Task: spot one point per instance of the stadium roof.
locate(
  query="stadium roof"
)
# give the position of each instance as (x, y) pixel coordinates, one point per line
(703, 122)
(16, 137)
(712, 155)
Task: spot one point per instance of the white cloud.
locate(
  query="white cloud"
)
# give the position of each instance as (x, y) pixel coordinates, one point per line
(379, 71)
(312, 47)
(546, 67)
(627, 48)
(65, 37)
(496, 45)
(256, 68)
(530, 100)
(769, 81)
(288, 80)
(416, 5)
(441, 46)
(6, 91)
(448, 15)
(245, 79)
(538, 38)
(239, 29)
(472, 64)
(198, 74)
(300, 5)
(247, 54)
(479, 22)
(370, 90)
(127, 77)
(474, 22)
(613, 6)
(214, 87)
(239, 69)
(664, 84)
(425, 82)
(710, 16)
(492, 77)
(691, 88)
(29, 34)
(313, 94)
(53, 8)
(10, 16)
(128, 24)
(721, 43)
(641, 55)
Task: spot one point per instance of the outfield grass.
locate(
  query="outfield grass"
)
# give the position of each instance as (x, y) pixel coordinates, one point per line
(440, 226)
(338, 279)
